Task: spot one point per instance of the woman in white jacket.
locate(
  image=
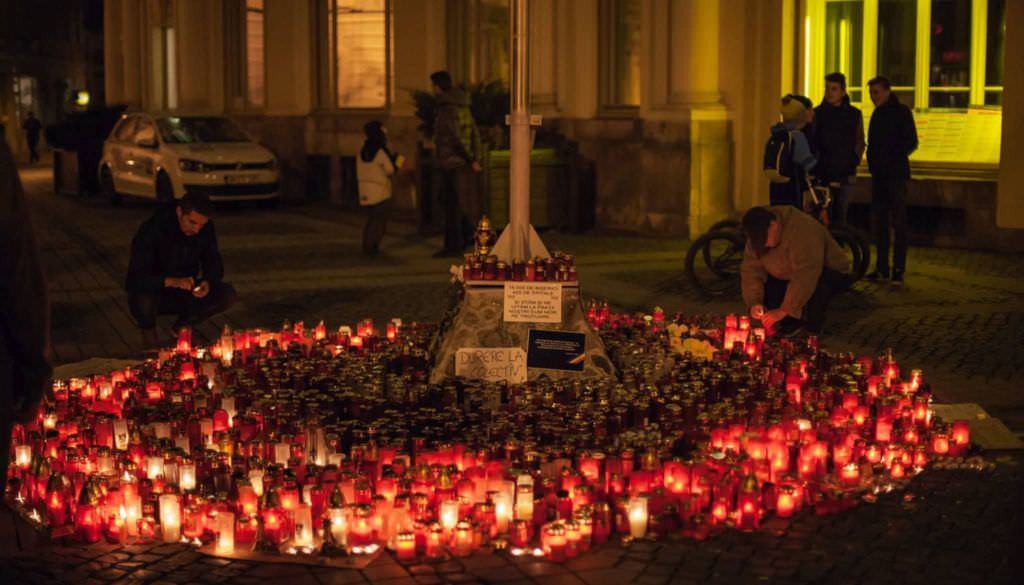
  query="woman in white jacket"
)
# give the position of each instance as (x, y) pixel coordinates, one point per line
(375, 167)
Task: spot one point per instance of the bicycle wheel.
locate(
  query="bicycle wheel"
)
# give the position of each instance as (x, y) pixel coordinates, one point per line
(713, 262)
(851, 246)
(725, 224)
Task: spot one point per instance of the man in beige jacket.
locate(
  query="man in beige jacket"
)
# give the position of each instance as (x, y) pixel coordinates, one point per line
(791, 267)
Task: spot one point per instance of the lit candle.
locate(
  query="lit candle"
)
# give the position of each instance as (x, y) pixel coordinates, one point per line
(339, 525)
(170, 517)
(303, 526)
(187, 476)
(155, 467)
(961, 435)
(524, 502)
(786, 502)
(638, 517)
(849, 474)
(502, 511)
(225, 533)
(463, 539)
(282, 452)
(556, 541)
(405, 546)
(23, 456)
(248, 501)
(256, 479)
(449, 515)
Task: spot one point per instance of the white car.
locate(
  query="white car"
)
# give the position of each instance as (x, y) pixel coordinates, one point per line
(165, 156)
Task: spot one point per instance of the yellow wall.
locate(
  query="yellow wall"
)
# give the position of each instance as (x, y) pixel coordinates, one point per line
(1010, 201)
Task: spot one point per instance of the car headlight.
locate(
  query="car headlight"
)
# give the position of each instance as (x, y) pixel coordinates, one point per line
(191, 166)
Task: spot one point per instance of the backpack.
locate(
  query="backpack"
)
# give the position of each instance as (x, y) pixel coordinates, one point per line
(778, 157)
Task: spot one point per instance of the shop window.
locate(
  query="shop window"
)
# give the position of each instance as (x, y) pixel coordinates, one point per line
(844, 41)
(620, 52)
(359, 46)
(897, 55)
(950, 63)
(995, 52)
(255, 54)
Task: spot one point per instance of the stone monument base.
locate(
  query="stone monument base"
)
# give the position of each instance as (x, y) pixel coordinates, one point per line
(478, 322)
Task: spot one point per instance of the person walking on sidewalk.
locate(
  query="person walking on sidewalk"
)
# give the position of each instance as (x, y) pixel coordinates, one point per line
(375, 169)
(32, 129)
(788, 159)
(791, 268)
(176, 268)
(24, 312)
(457, 154)
(892, 136)
(837, 138)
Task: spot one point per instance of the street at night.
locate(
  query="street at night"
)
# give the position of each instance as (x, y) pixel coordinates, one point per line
(550, 292)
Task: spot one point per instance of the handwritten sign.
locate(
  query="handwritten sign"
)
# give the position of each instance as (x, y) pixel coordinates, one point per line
(533, 302)
(494, 364)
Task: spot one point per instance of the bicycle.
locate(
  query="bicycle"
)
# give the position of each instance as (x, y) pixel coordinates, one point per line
(713, 260)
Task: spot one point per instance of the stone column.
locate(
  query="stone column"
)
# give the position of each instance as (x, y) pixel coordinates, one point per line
(1010, 198)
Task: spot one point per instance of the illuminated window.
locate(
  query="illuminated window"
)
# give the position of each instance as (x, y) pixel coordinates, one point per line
(897, 53)
(995, 52)
(620, 52)
(359, 45)
(950, 63)
(255, 54)
(844, 41)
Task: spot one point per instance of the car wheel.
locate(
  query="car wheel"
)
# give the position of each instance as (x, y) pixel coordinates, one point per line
(107, 187)
(164, 190)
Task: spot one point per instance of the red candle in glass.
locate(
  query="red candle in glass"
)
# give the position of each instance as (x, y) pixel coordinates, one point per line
(88, 523)
(785, 503)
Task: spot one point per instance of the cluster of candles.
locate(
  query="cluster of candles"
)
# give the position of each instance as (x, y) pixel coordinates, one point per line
(320, 442)
(558, 267)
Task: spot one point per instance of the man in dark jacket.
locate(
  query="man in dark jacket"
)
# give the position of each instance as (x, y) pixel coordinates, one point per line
(24, 311)
(457, 153)
(32, 129)
(892, 136)
(838, 141)
(176, 268)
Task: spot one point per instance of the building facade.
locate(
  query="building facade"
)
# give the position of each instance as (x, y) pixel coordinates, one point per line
(46, 62)
(670, 100)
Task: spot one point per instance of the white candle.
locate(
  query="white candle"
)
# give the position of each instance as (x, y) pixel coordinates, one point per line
(182, 442)
(162, 430)
(187, 475)
(303, 526)
(638, 517)
(256, 479)
(206, 429)
(282, 452)
(225, 533)
(170, 517)
(339, 525)
(155, 467)
(524, 502)
(502, 511)
(23, 456)
(121, 434)
(104, 463)
(449, 514)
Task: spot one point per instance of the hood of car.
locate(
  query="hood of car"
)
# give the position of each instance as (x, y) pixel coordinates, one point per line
(222, 152)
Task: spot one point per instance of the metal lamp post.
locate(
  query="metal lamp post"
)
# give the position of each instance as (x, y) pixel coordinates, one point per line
(519, 240)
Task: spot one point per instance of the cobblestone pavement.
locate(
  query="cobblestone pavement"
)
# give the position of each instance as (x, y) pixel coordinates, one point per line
(961, 319)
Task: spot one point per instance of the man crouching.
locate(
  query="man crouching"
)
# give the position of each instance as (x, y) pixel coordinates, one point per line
(791, 268)
(176, 268)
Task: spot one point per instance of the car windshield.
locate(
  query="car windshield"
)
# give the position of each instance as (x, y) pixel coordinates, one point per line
(200, 129)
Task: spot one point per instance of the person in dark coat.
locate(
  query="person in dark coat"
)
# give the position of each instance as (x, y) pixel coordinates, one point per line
(892, 136)
(457, 155)
(24, 312)
(837, 139)
(32, 129)
(176, 268)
